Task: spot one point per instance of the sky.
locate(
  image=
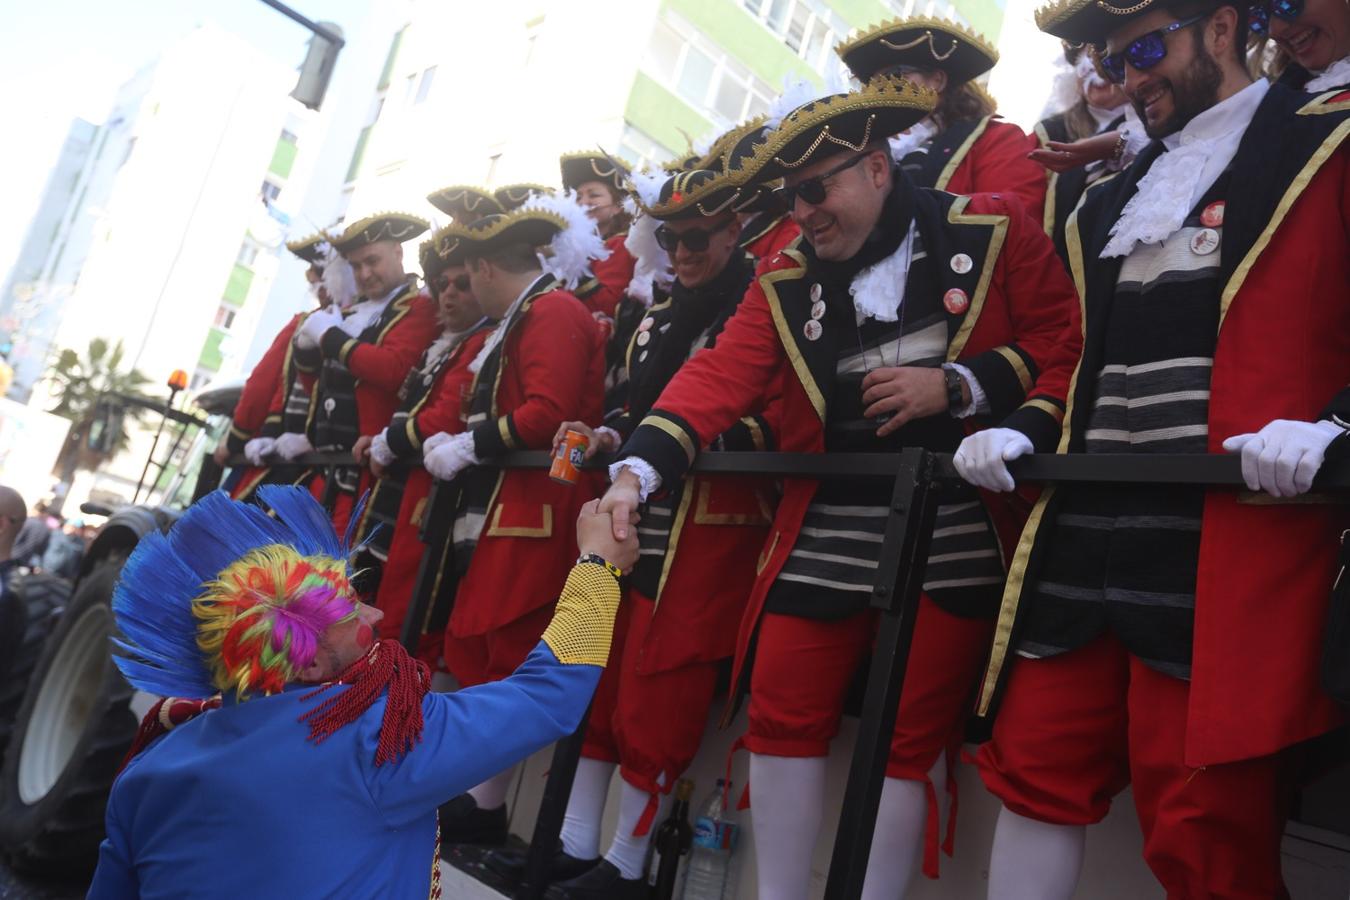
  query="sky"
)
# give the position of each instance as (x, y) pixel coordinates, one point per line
(62, 59)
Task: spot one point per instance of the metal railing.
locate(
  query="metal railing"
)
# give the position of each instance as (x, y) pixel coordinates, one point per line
(919, 480)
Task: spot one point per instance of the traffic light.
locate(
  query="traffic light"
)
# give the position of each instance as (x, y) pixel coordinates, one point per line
(317, 68)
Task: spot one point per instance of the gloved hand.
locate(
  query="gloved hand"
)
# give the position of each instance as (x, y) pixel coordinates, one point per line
(258, 448)
(1282, 458)
(451, 457)
(314, 326)
(290, 445)
(379, 450)
(435, 441)
(982, 459)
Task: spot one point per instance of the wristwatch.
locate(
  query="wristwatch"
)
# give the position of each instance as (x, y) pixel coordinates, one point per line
(598, 560)
(953, 382)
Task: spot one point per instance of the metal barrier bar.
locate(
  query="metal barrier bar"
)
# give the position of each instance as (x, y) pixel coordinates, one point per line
(918, 479)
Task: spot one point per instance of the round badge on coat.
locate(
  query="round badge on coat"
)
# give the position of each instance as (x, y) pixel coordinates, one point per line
(962, 263)
(956, 301)
(813, 330)
(329, 405)
(1212, 217)
(818, 309)
(642, 357)
(1204, 242)
(816, 291)
(645, 324)
(643, 337)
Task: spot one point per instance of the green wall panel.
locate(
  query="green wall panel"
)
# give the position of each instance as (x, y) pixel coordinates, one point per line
(663, 115)
(737, 32)
(283, 158)
(211, 357)
(236, 289)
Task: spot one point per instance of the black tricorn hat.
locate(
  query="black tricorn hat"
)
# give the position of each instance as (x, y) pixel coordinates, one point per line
(434, 252)
(513, 196)
(398, 227)
(922, 42)
(465, 203)
(696, 194)
(1088, 21)
(530, 226)
(581, 167)
(839, 123)
(311, 248)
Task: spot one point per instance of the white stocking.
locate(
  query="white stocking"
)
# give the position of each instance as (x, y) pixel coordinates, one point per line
(898, 841)
(492, 793)
(585, 808)
(787, 795)
(1034, 860)
(628, 853)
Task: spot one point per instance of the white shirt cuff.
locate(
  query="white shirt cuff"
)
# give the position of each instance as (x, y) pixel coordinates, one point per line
(614, 435)
(979, 403)
(649, 480)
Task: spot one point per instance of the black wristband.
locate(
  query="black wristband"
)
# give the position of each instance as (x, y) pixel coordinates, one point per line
(597, 559)
(953, 381)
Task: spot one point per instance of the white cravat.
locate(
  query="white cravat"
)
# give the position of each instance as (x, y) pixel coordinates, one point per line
(918, 135)
(360, 316)
(1333, 76)
(1195, 156)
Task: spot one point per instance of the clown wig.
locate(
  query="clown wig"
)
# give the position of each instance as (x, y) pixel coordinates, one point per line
(233, 598)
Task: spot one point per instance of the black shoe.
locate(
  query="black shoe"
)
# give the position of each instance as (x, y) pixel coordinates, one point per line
(510, 864)
(601, 883)
(462, 822)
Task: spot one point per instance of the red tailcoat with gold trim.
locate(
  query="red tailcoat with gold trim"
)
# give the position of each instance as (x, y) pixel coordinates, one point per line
(440, 412)
(1283, 352)
(991, 157)
(552, 371)
(255, 401)
(609, 278)
(1018, 334)
(780, 233)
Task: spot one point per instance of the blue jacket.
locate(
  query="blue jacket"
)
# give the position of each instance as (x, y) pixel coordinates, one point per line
(238, 803)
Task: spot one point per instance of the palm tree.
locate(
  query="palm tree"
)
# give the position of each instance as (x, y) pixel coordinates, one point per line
(86, 390)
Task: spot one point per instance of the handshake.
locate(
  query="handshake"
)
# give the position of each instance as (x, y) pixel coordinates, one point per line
(595, 534)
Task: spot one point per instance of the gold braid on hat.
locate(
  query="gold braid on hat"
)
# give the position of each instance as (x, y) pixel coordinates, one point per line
(384, 226)
(955, 30)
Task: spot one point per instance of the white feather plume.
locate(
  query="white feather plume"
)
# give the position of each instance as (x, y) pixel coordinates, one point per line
(798, 91)
(338, 279)
(652, 264)
(577, 245)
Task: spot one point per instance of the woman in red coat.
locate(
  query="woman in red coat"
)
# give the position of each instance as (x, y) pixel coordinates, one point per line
(962, 147)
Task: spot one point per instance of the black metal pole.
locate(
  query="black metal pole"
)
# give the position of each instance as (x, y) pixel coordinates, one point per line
(150, 457)
(899, 582)
(437, 524)
(552, 807)
(299, 18)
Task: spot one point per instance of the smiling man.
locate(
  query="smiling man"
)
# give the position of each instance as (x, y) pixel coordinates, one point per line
(1169, 636)
(904, 317)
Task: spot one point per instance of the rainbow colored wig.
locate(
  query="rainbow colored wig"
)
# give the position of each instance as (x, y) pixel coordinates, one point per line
(232, 598)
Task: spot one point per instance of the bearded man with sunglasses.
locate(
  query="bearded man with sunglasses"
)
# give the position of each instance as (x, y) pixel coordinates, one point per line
(699, 543)
(1169, 637)
(430, 402)
(904, 317)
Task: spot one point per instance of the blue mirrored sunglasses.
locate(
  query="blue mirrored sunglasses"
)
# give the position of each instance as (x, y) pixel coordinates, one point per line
(1258, 17)
(1144, 52)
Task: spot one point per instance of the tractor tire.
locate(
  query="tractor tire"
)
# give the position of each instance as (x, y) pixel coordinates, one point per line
(28, 615)
(69, 736)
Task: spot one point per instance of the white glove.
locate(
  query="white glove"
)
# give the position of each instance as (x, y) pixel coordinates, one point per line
(435, 441)
(982, 459)
(1282, 458)
(290, 445)
(379, 450)
(314, 326)
(451, 457)
(257, 448)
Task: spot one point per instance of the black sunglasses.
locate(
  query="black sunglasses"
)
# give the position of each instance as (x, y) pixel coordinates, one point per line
(812, 190)
(696, 239)
(1258, 17)
(461, 283)
(1144, 52)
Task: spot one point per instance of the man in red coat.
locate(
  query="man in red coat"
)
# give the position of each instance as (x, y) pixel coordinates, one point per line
(962, 146)
(512, 534)
(905, 317)
(1169, 637)
(362, 354)
(431, 401)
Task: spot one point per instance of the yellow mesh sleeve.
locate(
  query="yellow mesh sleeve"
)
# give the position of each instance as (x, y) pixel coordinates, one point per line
(583, 623)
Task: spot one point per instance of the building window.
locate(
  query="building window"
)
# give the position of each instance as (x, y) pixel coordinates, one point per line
(270, 191)
(289, 136)
(641, 148)
(424, 86)
(248, 252)
(697, 70)
(810, 29)
(225, 317)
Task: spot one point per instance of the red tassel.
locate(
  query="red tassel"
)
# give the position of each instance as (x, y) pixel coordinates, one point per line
(644, 822)
(386, 668)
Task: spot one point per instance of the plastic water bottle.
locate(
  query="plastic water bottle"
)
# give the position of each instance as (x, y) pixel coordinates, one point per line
(709, 875)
